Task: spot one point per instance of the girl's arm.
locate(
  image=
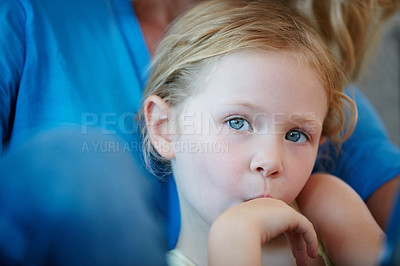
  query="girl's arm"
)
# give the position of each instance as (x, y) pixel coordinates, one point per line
(237, 236)
(341, 219)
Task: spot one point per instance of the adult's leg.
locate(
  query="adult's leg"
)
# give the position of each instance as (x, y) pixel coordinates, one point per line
(65, 202)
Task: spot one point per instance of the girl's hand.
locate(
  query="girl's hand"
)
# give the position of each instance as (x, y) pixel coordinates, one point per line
(237, 235)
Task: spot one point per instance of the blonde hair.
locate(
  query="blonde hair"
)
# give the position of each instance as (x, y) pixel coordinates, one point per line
(351, 28)
(216, 28)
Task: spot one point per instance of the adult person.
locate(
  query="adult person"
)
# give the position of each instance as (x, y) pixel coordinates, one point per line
(85, 63)
(368, 161)
(65, 64)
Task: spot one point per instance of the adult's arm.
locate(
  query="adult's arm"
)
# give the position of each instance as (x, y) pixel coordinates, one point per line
(381, 202)
(344, 224)
(12, 52)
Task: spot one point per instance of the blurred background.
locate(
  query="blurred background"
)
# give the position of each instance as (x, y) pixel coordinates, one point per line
(380, 81)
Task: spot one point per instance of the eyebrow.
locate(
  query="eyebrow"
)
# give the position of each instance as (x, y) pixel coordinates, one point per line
(248, 105)
(302, 119)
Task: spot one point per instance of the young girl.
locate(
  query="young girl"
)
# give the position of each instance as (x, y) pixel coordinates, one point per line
(240, 96)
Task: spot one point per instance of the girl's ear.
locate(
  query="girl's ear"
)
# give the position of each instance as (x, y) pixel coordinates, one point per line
(156, 112)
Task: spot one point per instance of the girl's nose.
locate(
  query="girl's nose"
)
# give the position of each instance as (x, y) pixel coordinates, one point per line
(267, 159)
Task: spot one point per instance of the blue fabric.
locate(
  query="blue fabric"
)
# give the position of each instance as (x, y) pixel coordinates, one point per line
(367, 159)
(70, 62)
(391, 250)
(96, 211)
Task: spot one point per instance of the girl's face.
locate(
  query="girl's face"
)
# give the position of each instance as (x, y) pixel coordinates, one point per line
(252, 131)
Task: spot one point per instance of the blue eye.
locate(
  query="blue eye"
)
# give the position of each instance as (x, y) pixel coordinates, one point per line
(239, 124)
(296, 136)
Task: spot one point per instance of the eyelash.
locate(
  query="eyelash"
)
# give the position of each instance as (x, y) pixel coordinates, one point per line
(302, 132)
(241, 118)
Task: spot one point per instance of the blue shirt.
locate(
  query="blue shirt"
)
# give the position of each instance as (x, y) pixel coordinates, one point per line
(70, 62)
(367, 159)
(84, 62)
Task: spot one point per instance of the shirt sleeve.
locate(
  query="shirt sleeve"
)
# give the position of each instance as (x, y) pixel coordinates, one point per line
(12, 52)
(367, 159)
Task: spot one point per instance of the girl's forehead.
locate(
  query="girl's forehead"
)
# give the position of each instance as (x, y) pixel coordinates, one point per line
(252, 65)
(254, 58)
(261, 78)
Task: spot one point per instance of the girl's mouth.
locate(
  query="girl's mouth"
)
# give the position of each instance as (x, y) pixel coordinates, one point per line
(259, 197)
